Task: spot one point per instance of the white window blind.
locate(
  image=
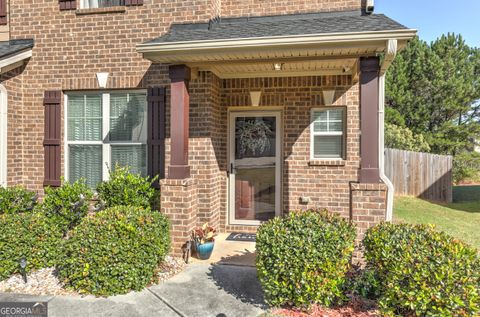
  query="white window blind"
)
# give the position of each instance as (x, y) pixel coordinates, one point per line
(88, 4)
(327, 133)
(105, 129)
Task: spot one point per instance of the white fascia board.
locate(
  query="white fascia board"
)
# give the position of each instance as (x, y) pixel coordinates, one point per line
(19, 57)
(276, 41)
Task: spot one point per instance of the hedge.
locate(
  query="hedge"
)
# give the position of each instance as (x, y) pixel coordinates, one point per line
(115, 251)
(16, 200)
(302, 258)
(422, 272)
(28, 235)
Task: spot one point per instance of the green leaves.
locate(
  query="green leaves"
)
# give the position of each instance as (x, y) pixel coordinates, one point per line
(423, 272)
(16, 199)
(435, 92)
(126, 189)
(115, 251)
(303, 258)
(28, 235)
(66, 205)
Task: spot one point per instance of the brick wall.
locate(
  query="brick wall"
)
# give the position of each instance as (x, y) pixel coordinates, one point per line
(279, 7)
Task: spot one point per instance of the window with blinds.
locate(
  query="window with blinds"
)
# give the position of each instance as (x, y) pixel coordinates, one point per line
(105, 129)
(86, 4)
(327, 133)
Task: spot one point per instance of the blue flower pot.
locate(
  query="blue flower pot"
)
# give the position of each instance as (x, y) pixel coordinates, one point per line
(204, 251)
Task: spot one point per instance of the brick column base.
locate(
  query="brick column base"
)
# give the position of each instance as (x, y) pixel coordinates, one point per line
(369, 207)
(179, 203)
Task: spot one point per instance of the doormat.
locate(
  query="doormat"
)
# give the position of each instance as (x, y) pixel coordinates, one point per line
(239, 236)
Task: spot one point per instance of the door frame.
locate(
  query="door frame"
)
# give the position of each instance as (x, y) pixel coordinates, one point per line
(232, 113)
(3, 135)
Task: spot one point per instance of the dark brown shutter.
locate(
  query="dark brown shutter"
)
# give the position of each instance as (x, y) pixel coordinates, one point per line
(3, 12)
(156, 132)
(68, 4)
(51, 143)
(133, 2)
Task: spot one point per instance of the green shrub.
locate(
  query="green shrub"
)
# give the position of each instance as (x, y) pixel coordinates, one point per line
(423, 272)
(126, 189)
(28, 235)
(68, 204)
(115, 251)
(16, 199)
(303, 258)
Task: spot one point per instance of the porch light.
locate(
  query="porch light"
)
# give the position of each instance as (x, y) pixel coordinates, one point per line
(278, 66)
(328, 96)
(255, 97)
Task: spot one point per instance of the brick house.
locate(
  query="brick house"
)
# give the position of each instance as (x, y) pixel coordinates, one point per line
(245, 108)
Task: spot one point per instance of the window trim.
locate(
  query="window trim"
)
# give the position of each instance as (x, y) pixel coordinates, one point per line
(313, 134)
(105, 143)
(83, 2)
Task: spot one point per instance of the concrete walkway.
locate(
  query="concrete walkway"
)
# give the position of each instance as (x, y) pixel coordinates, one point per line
(201, 290)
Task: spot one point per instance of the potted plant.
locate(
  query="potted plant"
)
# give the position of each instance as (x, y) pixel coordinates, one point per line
(204, 240)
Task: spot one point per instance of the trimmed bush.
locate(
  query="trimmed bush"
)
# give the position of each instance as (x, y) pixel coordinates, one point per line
(126, 189)
(16, 199)
(423, 272)
(302, 259)
(68, 204)
(28, 235)
(115, 251)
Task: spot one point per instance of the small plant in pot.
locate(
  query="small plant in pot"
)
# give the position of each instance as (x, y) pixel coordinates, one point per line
(204, 240)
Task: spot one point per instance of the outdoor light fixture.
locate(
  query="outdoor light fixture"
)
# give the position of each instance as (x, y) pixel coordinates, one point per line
(278, 66)
(328, 96)
(255, 97)
(23, 265)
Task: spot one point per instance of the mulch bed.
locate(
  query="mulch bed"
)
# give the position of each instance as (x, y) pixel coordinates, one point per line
(355, 308)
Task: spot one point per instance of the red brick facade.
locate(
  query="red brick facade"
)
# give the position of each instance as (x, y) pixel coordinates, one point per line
(72, 46)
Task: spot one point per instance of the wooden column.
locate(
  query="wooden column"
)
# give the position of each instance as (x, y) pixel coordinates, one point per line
(179, 122)
(369, 73)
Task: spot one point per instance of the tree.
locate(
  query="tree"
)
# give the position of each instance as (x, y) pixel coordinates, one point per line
(402, 138)
(434, 90)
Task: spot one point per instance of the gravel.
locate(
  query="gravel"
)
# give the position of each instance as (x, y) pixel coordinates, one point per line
(45, 281)
(39, 282)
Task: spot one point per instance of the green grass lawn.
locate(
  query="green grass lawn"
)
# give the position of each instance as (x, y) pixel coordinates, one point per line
(461, 220)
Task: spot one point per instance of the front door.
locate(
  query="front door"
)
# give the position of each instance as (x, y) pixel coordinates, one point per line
(254, 180)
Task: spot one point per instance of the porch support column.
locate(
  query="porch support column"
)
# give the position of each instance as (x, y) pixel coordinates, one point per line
(179, 122)
(369, 75)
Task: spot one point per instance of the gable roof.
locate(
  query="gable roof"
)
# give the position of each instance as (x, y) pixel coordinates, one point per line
(273, 26)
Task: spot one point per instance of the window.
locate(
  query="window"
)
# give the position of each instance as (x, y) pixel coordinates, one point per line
(104, 129)
(86, 4)
(327, 133)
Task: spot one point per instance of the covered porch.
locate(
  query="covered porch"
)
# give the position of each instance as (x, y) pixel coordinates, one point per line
(276, 76)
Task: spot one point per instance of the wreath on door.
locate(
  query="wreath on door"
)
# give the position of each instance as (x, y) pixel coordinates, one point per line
(254, 137)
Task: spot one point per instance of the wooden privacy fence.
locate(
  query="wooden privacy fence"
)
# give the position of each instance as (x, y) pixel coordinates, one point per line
(423, 175)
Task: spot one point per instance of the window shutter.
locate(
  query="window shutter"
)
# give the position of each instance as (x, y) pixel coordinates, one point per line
(133, 2)
(3, 12)
(68, 4)
(156, 133)
(51, 142)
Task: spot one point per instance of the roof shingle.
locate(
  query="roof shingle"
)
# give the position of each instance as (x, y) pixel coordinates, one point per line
(286, 25)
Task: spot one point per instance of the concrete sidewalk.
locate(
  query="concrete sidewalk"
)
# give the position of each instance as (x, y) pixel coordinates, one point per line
(201, 290)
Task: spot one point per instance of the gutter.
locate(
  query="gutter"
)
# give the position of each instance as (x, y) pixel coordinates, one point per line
(275, 41)
(390, 53)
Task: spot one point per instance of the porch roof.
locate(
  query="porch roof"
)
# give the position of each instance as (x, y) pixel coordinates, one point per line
(13, 53)
(315, 43)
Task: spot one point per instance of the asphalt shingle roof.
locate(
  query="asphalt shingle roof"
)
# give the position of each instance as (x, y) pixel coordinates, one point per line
(11, 47)
(287, 25)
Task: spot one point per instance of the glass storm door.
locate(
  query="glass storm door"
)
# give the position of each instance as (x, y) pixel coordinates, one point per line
(254, 166)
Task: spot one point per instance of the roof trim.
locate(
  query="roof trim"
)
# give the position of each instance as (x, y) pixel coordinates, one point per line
(14, 60)
(275, 41)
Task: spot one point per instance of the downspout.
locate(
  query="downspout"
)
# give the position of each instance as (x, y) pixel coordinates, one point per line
(390, 53)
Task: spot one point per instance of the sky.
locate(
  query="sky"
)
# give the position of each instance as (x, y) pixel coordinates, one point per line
(432, 18)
